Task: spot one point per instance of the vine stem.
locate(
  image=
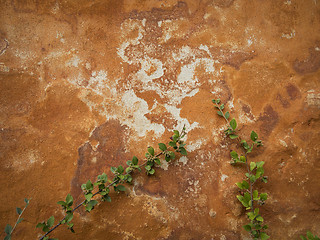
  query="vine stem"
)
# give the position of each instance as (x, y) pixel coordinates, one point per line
(19, 217)
(246, 156)
(109, 185)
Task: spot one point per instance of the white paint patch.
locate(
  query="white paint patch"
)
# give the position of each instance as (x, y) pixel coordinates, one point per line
(73, 62)
(127, 27)
(150, 69)
(313, 99)
(136, 108)
(88, 66)
(4, 68)
(206, 16)
(187, 75)
(289, 35)
(223, 177)
(181, 121)
(195, 145)
(283, 143)
(205, 48)
(25, 160)
(288, 2)
(143, 22)
(183, 160)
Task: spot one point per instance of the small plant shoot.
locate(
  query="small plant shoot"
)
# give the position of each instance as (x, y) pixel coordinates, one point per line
(9, 229)
(249, 197)
(99, 191)
(309, 236)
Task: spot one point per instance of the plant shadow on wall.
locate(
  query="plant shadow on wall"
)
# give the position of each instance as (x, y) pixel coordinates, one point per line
(99, 190)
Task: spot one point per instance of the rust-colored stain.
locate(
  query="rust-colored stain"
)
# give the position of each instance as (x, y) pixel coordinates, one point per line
(86, 85)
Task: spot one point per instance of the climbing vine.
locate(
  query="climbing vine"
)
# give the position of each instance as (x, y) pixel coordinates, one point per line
(249, 197)
(121, 175)
(9, 229)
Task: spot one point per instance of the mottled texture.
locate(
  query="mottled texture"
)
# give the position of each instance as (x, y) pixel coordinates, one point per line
(85, 85)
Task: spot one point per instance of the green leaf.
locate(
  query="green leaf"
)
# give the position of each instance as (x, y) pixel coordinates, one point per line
(162, 146)
(256, 211)
(233, 136)
(239, 184)
(175, 137)
(252, 178)
(89, 208)
(233, 124)
(93, 203)
(227, 115)
(264, 179)
(89, 185)
(173, 144)
(50, 222)
(183, 151)
(243, 159)
(20, 220)
(8, 229)
(254, 136)
(264, 236)
(252, 166)
(220, 113)
(245, 184)
(69, 200)
(243, 201)
(8, 237)
(19, 211)
(310, 235)
(148, 167)
(40, 225)
(157, 161)
(120, 169)
(257, 226)
(234, 155)
(213, 100)
(26, 201)
(251, 215)
(260, 164)
(88, 196)
(259, 172)
(222, 106)
(255, 194)
(218, 100)
(247, 227)
(151, 150)
(107, 198)
(172, 155)
(62, 203)
(134, 160)
(247, 197)
(303, 238)
(69, 217)
(176, 132)
(152, 171)
(263, 196)
(121, 188)
(113, 169)
(259, 218)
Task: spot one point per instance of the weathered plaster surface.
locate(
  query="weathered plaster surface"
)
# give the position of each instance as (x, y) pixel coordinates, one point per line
(85, 85)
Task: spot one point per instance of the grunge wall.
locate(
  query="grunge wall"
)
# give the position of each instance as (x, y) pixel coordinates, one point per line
(85, 85)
